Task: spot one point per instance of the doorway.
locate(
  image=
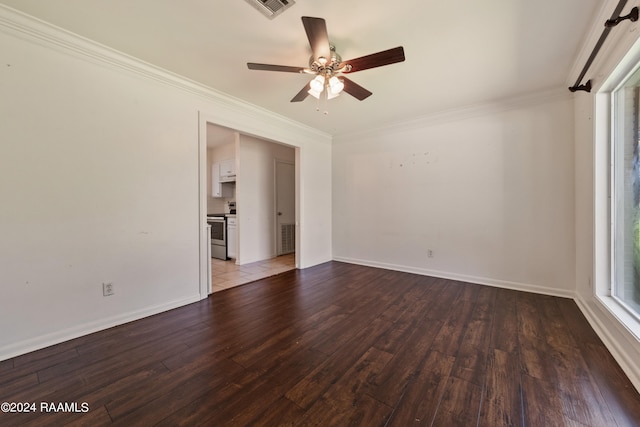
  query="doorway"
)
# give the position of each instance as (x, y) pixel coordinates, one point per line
(285, 177)
(210, 128)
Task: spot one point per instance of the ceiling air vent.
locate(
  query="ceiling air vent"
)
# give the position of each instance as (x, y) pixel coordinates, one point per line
(271, 8)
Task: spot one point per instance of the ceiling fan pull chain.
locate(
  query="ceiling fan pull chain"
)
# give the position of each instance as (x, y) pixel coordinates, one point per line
(325, 97)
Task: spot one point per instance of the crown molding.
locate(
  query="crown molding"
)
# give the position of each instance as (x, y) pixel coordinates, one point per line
(29, 28)
(461, 113)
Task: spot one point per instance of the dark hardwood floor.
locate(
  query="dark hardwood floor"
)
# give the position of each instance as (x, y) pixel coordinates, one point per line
(335, 345)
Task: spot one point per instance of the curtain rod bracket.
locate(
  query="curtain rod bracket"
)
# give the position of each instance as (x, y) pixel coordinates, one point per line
(585, 87)
(632, 16)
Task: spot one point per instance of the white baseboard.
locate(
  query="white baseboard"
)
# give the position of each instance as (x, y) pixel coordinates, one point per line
(37, 343)
(463, 278)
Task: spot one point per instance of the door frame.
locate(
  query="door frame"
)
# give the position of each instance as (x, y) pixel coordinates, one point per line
(245, 127)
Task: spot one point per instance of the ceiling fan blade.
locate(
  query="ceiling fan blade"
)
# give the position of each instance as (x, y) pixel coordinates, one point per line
(316, 29)
(302, 95)
(355, 89)
(269, 67)
(379, 59)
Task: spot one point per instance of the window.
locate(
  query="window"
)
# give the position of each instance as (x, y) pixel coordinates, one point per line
(625, 192)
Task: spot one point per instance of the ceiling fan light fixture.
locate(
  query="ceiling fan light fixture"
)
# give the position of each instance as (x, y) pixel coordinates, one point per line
(317, 84)
(314, 93)
(336, 85)
(331, 93)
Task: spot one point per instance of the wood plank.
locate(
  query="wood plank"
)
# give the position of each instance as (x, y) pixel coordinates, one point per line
(582, 400)
(504, 325)
(459, 405)
(195, 398)
(365, 411)
(95, 417)
(33, 362)
(336, 344)
(282, 413)
(445, 294)
(6, 365)
(243, 408)
(406, 362)
(471, 358)
(13, 386)
(294, 368)
(502, 398)
(345, 402)
(288, 338)
(542, 403)
(450, 336)
(618, 394)
(576, 322)
(421, 399)
(307, 391)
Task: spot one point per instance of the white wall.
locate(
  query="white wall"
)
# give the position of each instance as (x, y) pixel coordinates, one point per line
(584, 198)
(256, 197)
(488, 190)
(99, 181)
(313, 204)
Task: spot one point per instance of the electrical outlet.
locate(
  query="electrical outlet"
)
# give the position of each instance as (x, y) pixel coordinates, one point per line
(429, 253)
(107, 289)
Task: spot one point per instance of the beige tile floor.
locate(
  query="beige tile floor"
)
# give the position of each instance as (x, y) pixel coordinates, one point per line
(226, 274)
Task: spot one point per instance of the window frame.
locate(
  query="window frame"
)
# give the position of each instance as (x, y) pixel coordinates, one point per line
(617, 176)
(604, 203)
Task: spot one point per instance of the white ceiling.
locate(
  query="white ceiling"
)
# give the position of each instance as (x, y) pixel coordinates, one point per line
(457, 53)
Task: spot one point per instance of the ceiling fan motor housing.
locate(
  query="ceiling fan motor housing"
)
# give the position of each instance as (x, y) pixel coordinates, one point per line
(328, 66)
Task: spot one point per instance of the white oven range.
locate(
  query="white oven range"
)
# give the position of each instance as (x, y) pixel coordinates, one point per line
(218, 236)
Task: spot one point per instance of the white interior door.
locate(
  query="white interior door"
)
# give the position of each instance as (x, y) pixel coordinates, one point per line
(285, 207)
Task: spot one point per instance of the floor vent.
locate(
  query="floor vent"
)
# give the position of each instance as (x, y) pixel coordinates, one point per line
(271, 8)
(287, 238)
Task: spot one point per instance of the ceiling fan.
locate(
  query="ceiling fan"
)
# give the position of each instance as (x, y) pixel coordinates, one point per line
(328, 66)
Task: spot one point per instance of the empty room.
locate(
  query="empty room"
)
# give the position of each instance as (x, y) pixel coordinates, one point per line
(302, 213)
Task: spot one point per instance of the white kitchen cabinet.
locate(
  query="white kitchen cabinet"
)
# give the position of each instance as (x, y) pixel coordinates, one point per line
(228, 170)
(232, 241)
(218, 188)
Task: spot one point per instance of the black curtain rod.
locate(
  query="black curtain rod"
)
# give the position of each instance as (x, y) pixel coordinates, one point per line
(608, 25)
